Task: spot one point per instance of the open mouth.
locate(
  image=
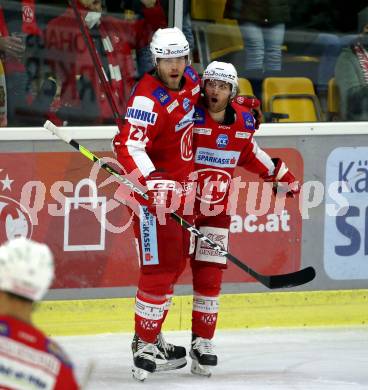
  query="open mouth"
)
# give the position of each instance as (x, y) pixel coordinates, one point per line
(214, 100)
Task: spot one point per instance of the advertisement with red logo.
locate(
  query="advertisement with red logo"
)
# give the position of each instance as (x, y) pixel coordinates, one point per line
(62, 199)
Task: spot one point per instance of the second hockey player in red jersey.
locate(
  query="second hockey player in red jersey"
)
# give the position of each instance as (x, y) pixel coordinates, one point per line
(28, 358)
(223, 139)
(156, 144)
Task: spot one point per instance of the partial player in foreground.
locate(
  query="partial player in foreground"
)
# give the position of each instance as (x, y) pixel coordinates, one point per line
(29, 359)
(156, 142)
(223, 139)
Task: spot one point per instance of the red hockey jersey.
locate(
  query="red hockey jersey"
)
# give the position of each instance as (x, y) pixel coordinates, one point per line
(158, 129)
(28, 359)
(69, 58)
(220, 148)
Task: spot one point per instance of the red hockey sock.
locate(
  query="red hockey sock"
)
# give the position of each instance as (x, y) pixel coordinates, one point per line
(204, 316)
(207, 285)
(149, 316)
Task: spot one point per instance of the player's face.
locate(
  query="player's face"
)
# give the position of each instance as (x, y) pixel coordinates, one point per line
(171, 70)
(217, 94)
(92, 5)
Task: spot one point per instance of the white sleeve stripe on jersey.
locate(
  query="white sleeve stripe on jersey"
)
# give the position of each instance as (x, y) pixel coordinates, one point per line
(263, 157)
(141, 159)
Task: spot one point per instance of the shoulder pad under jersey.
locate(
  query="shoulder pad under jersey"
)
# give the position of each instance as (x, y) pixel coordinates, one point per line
(199, 116)
(244, 116)
(162, 95)
(54, 349)
(4, 328)
(191, 73)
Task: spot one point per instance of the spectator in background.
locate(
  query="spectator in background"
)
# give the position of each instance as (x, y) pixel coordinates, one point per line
(142, 10)
(139, 7)
(82, 98)
(20, 42)
(351, 74)
(319, 28)
(262, 24)
(26, 273)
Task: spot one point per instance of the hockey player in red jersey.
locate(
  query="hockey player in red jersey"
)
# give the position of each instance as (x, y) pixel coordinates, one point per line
(28, 358)
(223, 139)
(156, 142)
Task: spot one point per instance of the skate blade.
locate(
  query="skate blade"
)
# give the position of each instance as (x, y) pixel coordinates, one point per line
(170, 364)
(139, 374)
(198, 369)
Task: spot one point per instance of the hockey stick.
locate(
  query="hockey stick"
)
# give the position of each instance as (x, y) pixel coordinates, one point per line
(90, 369)
(271, 281)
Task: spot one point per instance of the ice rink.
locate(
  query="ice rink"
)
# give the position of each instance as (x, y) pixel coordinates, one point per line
(281, 359)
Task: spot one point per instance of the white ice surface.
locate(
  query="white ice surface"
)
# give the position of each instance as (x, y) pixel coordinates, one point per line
(262, 359)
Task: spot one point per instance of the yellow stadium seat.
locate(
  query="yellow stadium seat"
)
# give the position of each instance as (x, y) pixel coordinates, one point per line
(245, 87)
(294, 96)
(224, 37)
(207, 9)
(333, 97)
(215, 40)
(215, 36)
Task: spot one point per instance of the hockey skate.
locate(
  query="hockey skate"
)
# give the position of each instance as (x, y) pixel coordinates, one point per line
(145, 356)
(160, 356)
(174, 355)
(203, 356)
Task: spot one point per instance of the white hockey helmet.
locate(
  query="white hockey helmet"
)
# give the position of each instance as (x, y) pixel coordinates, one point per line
(26, 268)
(222, 71)
(169, 43)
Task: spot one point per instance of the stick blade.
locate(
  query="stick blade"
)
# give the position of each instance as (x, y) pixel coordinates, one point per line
(292, 279)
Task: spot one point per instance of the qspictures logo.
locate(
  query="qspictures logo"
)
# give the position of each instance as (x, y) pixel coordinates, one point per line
(15, 220)
(27, 206)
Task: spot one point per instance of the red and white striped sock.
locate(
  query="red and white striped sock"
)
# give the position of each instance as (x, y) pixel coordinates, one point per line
(204, 316)
(149, 316)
